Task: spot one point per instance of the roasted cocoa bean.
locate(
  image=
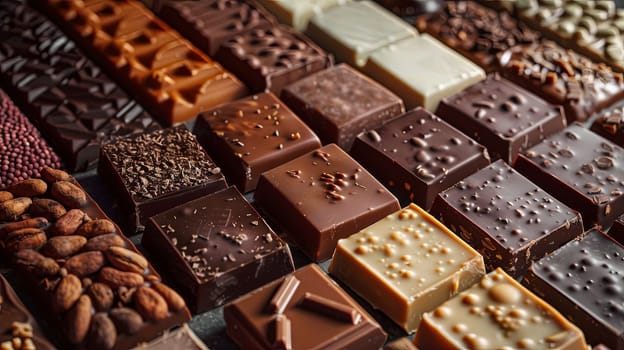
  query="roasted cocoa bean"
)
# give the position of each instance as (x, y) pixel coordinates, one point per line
(101, 295)
(60, 247)
(102, 333)
(70, 195)
(48, 208)
(12, 209)
(67, 293)
(5, 196)
(126, 260)
(78, 320)
(150, 304)
(28, 188)
(126, 320)
(173, 299)
(51, 175)
(26, 238)
(69, 223)
(115, 278)
(40, 223)
(96, 227)
(85, 264)
(33, 262)
(104, 242)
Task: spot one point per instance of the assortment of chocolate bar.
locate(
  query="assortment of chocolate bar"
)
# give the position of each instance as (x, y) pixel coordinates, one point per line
(461, 167)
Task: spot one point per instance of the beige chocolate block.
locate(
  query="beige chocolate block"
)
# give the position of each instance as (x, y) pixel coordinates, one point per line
(406, 264)
(497, 313)
(422, 71)
(297, 13)
(356, 29)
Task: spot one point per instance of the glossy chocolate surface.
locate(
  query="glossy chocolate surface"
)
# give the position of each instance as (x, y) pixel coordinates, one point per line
(506, 218)
(156, 171)
(307, 300)
(582, 170)
(477, 32)
(418, 155)
(583, 280)
(74, 104)
(339, 103)
(502, 116)
(412, 7)
(169, 76)
(216, 248)
(559, 75)
(321, 197)
(252, 135)
(182, 338)
(14, 316)
(297, 13)
(269, 59)
(208, 24)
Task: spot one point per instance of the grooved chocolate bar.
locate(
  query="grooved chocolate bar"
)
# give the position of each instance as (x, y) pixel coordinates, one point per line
(208, 24)
(170, 77)
(99, 292)
(74, 104)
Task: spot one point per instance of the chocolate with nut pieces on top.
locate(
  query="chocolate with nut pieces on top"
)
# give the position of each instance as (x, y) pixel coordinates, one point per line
(583, 280)
(170, 77)
(502, 116)
(477, 32)
(304, 310)
(418, 155)
(95, 286)
(609, 124)
(208, 24)
(338, 103)
(562, 77)
(582, 170)
(506, 218)
(216, 248)
(321, 197)
(152, 172)
(267, 59)
(252, 135)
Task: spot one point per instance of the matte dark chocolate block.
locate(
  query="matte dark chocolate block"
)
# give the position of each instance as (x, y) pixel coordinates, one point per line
(304, 310)
(269, 59)
(418, 155)
(583, 280)
(208, 24)
(339, 103)
(72, 102)
(502, 116)
(152, 172)
(216, 248)
(563, 77)
(170, 77)
(582, 170)
(506, 218)
(479, 33)
(17, 324)
(616, 231)
(609, 124)
(321, 197)
(250, 136)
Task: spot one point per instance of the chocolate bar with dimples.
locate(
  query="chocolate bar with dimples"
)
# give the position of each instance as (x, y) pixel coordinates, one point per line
(169, 76)
(216, 248)
(74, 104)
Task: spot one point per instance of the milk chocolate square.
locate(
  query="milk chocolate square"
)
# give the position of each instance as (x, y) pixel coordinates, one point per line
(338, 103)
(304, 310)
(252, 135)
(506, 218)
(502, 116)
(321, 197)
(406, 264)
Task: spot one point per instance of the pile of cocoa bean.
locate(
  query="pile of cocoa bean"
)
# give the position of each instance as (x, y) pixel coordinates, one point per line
(94, 279)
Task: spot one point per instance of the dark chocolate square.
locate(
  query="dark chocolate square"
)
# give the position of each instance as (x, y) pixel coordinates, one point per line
(563, 77)
(339, 103)
(581, 169)
(583, 280)
(304, 310)
(502, 116)
(269, 59)
(210, 23)
(250, 136)
(506, 218)
(216, 248)
(418, 155)
(152, 172)
(321, 197)
(609, 124)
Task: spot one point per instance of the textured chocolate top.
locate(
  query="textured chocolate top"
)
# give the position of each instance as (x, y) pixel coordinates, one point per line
(610, 124)
(563, 77)
(217, 233)
(65, 94)
(502, 116)
(172, 78)
(160, 163)
(16, 322)
(479, 33)
(210, 23)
